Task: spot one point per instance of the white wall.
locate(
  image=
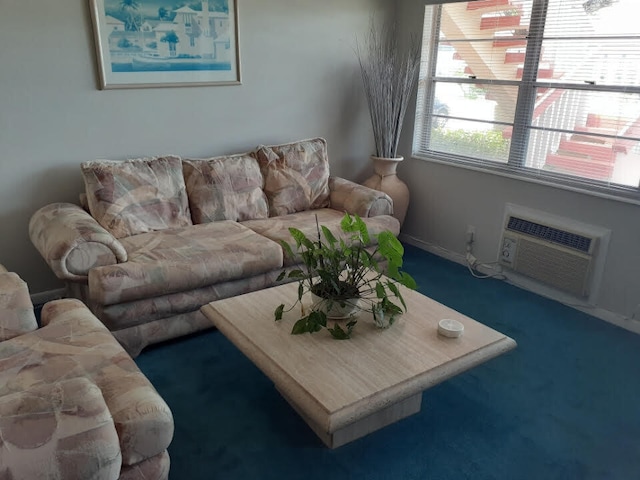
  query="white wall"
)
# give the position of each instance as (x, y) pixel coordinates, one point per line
(300, 79)
(445, 199)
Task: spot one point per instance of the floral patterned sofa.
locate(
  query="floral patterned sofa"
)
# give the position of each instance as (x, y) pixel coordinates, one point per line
(73, 404)
(158, 238)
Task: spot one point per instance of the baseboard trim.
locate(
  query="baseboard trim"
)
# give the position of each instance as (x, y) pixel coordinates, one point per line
(43, 297)
(628, 323)
(432, 248)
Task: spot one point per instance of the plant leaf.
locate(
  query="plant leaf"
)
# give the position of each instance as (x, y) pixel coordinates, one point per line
(392, 250)
(394, 288)
(389, 246)
(346, 224)
(408, 281)
(281, 276)
(300, 291)
(287, 249)
(296, 273)
(297, 235)
(338, 333)
(278, 313)
(301, 239)
(309, 259)
(301, 326)
(329, 236)
(391, 308)
(380, 291)
(317, 320)
(362, 229)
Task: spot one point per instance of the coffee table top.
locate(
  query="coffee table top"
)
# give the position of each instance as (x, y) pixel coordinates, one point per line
(337, 382)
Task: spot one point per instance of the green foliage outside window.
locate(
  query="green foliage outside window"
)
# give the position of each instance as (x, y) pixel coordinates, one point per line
(487, 144)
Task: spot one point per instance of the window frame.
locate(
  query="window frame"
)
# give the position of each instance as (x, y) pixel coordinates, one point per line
(523, 116)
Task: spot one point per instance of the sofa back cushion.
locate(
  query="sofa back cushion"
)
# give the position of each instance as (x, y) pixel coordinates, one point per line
(137, 196)
(225, 188)
(296, 175)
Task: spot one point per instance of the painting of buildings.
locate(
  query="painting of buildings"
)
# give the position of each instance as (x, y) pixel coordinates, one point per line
(157, 36)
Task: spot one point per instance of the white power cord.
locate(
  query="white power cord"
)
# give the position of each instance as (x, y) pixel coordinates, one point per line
(473, 264)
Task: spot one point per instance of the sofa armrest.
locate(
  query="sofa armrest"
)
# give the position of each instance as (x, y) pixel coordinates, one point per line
(357, 199)
(16, 310)
(63, 429)
(72, 242)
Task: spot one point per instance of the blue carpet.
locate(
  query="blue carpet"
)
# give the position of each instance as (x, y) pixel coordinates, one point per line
(562, 405)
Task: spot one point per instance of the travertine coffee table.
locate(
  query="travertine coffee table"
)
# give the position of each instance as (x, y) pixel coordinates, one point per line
(347, 389)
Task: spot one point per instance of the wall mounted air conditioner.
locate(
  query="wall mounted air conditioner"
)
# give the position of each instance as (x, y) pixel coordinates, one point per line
(557, 252)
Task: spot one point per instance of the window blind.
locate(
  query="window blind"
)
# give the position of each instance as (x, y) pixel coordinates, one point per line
(536, 88)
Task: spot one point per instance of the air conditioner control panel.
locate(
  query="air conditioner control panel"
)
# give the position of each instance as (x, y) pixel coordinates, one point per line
(508, 250)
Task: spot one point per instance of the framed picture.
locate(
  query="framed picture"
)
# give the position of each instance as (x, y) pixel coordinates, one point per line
(166, 43)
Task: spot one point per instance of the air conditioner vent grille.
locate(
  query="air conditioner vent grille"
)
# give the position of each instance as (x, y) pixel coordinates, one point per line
(550, 234)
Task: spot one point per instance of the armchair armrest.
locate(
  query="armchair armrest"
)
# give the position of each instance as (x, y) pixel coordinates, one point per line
(141, 417)
(72, 242)
(63, 429)
(357, 199)
(16, 310)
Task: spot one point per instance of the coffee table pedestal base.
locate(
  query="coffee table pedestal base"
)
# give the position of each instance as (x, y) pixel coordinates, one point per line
(365, 425)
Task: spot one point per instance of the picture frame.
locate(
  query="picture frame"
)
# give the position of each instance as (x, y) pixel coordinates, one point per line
(151, 43)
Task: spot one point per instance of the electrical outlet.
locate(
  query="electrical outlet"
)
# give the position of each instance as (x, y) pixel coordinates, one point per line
(471, 234)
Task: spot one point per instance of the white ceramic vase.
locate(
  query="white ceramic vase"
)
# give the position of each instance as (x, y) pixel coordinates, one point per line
(386, 180)
(332, 308)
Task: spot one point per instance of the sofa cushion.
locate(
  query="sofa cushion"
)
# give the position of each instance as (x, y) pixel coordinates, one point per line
(296, 175)
(225, 188)
(179, 260)
(277, 229)
(137, 196)
(139, 312)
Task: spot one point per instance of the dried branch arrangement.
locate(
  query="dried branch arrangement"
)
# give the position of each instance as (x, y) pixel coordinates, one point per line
(389, 74)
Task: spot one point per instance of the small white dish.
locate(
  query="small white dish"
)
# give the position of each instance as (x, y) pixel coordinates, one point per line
(450, 328)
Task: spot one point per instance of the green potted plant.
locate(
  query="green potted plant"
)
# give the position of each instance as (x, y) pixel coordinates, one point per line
(344, 275)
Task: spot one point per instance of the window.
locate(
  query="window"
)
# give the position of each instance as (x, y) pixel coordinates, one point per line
(541, 89)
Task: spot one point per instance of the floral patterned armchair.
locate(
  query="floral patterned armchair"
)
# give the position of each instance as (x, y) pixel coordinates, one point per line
(73, 404)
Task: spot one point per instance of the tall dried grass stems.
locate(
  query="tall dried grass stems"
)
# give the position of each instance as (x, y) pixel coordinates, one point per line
(389, 74)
